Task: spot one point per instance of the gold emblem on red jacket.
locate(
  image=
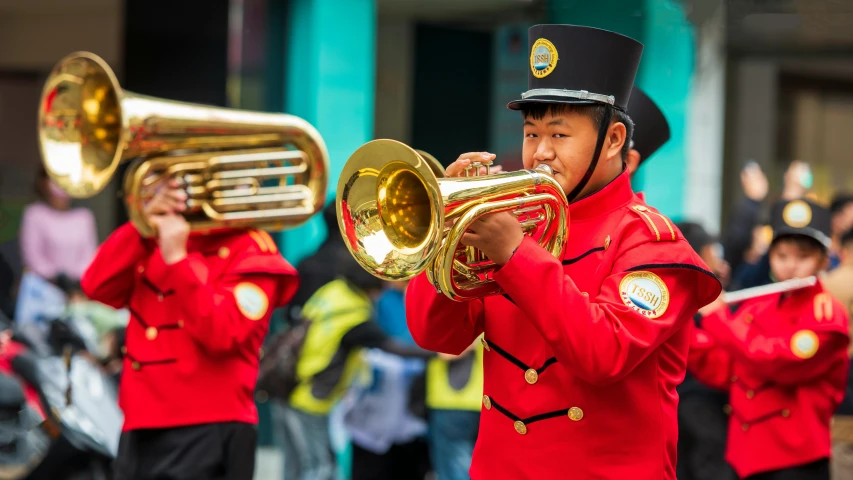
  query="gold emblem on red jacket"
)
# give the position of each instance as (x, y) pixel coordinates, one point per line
(645, 292)
(804, 344)
(251, 300)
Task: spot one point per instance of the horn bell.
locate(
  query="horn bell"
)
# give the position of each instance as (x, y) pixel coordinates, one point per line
(389, 209)
(399, 216)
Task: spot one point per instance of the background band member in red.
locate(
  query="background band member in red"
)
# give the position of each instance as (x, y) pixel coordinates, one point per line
(582, 354)
(783, 358)
(651, 130)
(200, 307)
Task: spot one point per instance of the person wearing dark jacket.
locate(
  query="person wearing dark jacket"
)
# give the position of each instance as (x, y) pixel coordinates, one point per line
(702, 421)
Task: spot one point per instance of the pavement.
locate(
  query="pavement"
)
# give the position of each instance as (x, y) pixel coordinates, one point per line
(269, 464)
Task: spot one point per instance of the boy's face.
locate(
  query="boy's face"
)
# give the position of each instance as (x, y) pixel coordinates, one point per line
(791, 260)
(566, 143)
(712, 255)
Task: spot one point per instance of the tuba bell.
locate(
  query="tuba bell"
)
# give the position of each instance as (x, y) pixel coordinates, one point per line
(399, 216)
(240, 169)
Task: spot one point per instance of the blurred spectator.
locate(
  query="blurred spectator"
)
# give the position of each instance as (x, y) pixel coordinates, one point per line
(746, 240)
(839, 282)
(55, 238)
(319, 268)
(842, 221)
(396, 399)
(739, 234)
(709, 248)
(702, 422)
(341, 316)
(454, 399)
(391, 312)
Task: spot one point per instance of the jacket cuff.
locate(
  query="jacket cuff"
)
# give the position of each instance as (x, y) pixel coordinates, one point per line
(525, 268)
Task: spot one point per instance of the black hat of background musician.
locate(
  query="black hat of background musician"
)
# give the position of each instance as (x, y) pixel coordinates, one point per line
(579, 65)
(802, 217)
(651, 130)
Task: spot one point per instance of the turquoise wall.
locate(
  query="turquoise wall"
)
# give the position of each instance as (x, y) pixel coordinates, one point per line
(330, 82)
(665, 74)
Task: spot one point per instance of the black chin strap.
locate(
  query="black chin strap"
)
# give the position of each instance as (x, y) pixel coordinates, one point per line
(602, 132)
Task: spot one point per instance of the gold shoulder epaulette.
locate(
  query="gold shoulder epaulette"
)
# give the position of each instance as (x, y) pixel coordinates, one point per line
(823, 307)
(264, 241)
(659, 225)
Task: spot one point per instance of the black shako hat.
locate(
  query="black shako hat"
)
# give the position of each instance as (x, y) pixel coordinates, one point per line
(580, 65)
(651, 130)
(802, 217)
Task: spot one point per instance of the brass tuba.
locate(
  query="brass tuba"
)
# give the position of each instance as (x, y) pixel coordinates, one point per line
(240, 168)
(399, 217)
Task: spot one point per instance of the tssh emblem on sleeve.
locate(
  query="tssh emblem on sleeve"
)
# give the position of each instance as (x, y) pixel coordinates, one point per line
(251, 300)
(645, 293)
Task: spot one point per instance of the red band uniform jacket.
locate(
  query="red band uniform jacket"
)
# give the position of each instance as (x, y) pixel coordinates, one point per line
(196, 327)
(783, 360)
(582, 355)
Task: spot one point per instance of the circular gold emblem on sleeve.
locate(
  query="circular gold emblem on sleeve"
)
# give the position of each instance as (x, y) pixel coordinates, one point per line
(251, 300)
(531, 376)
(575, 414)
(804, 344)
(645, 293)
(520, 427)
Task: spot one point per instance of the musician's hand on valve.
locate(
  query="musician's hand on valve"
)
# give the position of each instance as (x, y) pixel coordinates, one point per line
(173, 232)
(457, 168)
(496, 235)
(167, 198)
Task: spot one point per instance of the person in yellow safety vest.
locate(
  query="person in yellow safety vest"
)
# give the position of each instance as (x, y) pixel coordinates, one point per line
(454, 397)
(341, 316)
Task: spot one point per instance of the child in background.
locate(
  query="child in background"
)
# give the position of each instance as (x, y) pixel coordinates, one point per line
(782, 358)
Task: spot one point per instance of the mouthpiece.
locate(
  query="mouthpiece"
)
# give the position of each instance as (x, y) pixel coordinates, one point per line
(545, 168)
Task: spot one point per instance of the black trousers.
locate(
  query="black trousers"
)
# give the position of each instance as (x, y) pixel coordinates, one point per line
(818, 470)
(214, 451)
(702, 431)
(409, 461)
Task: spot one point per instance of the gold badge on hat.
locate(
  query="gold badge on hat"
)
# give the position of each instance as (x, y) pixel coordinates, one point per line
(543, 58)
(797, 214)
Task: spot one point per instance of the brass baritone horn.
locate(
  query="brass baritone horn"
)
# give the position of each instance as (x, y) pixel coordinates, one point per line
(399, 217)
(240, 168)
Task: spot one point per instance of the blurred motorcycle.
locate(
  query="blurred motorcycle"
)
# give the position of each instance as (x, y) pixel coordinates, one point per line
(59, 414)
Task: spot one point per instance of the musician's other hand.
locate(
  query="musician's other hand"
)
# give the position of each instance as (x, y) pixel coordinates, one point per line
(497, 235)
(457, 168)
(173, 232)
(166, 197)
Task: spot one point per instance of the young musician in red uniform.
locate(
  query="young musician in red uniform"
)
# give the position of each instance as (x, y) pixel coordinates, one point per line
(200, 307)
(782, 358)
(582, 354)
